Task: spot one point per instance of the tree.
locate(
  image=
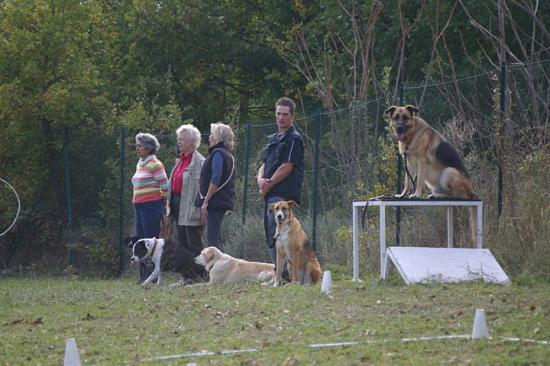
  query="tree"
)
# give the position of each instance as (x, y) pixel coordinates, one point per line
(48, 81)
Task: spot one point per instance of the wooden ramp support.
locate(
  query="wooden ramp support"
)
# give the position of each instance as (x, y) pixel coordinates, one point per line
(72, 357)
(421, 265)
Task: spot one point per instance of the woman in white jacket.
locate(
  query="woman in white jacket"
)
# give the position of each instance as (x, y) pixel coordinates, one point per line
(184, 186)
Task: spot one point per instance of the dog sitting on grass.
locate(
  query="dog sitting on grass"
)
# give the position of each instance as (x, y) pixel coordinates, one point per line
(293, 246)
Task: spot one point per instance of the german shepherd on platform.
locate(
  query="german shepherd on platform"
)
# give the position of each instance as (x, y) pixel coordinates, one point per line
(430, 157)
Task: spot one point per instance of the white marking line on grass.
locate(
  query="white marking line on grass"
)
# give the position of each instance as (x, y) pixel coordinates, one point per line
(513, 339)
(420, 339)
(341, 344)
(412, 339)
(183, 355)
(199, 354)
(337, 344)
(231, 351)
(455, 336)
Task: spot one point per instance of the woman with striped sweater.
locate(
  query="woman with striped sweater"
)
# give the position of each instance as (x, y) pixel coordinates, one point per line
(150, 193)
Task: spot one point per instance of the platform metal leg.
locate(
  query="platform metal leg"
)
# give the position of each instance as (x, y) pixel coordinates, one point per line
(355, 233)
(450, 226)
(382, 241)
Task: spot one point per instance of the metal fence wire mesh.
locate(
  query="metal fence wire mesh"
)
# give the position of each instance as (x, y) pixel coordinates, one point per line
(348, 154)
(347, 146)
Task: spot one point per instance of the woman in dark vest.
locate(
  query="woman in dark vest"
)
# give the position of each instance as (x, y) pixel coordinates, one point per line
(217, 183)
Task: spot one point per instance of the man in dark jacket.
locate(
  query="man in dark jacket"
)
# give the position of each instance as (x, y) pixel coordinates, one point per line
(281, 174)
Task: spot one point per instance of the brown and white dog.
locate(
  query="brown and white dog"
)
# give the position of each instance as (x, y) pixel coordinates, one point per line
(293, 246)
(431, 157)
(223, 268)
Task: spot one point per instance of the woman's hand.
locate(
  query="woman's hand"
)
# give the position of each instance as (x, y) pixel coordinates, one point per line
(204, 212)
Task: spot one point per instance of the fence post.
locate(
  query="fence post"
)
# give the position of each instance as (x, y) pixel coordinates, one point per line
(399, 171)
(503, 83)
(246, 169)
(315, 183)
(121, 200)
(69, 234)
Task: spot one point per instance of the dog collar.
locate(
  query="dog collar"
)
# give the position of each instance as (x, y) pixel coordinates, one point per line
(154, 247)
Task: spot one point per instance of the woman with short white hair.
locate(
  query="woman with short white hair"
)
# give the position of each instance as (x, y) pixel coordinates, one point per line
(150, 192)
(217, 183)
(184, 187)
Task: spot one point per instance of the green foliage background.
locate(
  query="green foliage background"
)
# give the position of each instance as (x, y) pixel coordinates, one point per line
(74, 73)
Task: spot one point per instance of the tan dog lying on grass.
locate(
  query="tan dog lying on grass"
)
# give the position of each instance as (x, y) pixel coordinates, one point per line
(223, 268)
(294, 247)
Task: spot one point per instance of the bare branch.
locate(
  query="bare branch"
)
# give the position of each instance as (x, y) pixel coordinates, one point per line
(377, 7)
(532, 12)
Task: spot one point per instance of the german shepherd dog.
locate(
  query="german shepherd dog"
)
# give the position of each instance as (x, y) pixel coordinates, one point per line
(431, 157)
(294, 247)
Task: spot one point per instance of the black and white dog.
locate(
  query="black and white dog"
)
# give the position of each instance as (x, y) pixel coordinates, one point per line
(166, 256)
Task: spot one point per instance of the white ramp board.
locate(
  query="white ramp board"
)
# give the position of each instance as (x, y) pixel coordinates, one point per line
(419, 264)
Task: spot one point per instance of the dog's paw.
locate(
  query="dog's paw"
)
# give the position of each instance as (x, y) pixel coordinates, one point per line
(415, 195)
(403, 195)
(269, 283)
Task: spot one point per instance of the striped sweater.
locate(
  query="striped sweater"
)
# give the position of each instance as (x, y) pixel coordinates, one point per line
(150, 181)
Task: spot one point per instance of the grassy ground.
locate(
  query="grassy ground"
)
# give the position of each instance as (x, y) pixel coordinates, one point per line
(117, 322)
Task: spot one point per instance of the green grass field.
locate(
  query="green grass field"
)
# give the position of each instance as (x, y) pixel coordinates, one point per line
(114, 321)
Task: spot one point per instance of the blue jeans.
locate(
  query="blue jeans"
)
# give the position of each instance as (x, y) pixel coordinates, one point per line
(214, 228)
(270, 226)
(148, 216)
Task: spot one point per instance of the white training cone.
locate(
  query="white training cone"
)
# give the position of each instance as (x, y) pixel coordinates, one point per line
(327, 282)
(480, 325)
(72, 357)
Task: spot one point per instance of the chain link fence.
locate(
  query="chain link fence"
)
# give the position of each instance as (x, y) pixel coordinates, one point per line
(348, 155)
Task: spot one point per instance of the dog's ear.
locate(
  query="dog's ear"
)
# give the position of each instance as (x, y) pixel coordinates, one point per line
(412, 109)
(272, 207)
(292, 204)
(390, 110)
(130, 241)
(209, 252)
